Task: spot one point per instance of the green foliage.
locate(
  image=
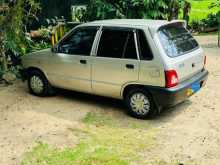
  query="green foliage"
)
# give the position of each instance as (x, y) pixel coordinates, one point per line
(36, 46)
(201, 9)
(44, 32)
(100, 119)
(13, 39)
(210, 21)
(13, 26)
(78, 14)
(52, 8)
(44, 154)
(108, 9)
(196, 25)
(215, 4)
(218, 18)
(150, 8)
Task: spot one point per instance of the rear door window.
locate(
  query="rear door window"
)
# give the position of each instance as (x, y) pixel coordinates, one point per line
(117, 43)
(130, 51)
(176, 40)
(144, 48)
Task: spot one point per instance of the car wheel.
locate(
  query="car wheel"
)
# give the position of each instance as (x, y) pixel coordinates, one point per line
(140, 104)
(38, 84)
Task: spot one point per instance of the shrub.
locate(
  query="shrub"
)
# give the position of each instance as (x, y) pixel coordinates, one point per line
(196, 26)
(202, 25)
(210, 21)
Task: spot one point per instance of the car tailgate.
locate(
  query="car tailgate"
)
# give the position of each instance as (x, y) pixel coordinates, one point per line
(188, 65)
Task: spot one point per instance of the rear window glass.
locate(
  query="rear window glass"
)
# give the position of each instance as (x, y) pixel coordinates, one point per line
(176, 40)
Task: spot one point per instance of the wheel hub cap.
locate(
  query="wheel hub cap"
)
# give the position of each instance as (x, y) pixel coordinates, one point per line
(36, 84)
(140, 104)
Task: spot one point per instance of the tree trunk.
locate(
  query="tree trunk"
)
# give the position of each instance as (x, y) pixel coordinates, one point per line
(4, 60)
(173, 10)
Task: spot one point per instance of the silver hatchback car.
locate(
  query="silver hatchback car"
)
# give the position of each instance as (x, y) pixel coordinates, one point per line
(150, 64)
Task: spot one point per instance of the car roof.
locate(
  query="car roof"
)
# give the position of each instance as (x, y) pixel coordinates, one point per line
(154, 25)
(132, 22)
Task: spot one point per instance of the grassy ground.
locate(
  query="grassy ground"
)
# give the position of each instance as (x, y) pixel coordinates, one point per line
(102, 140)
(200, 9)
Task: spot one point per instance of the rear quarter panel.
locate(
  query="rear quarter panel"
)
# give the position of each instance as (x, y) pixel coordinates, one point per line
(152, 72)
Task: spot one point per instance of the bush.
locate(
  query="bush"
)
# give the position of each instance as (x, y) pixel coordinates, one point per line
(210, 21)
(109, 9)
(196, 26)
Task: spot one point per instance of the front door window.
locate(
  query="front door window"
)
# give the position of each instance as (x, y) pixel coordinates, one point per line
(79, 42)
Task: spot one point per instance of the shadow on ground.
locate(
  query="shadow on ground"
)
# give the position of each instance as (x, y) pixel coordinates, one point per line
(116, 108)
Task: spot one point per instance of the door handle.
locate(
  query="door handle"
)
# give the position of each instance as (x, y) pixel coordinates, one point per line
(83, 62)
(129, 66)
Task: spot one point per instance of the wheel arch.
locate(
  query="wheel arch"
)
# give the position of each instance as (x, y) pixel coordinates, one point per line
(32, 68)
(128, 87)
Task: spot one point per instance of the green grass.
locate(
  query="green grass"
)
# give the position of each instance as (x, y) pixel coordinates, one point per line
(100, 119)
(200, 9)
(104, 140)
(81, 155)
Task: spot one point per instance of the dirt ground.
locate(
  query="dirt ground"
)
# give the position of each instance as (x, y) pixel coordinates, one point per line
(189, 132)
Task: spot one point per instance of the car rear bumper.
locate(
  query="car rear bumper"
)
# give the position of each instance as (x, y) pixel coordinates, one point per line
(167, 97)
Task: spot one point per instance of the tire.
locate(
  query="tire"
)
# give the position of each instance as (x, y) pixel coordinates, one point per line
(38, 84)
(140, 104)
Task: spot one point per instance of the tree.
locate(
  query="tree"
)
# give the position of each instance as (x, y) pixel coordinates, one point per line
(151, 9)
(107, 9)
(52, 8)
(215, 4)
(142, 9)
(13, 24)
(173, 9)
(186, 11)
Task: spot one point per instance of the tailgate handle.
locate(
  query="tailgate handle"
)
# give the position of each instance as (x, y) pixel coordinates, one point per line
(83, 62)
(129, 66)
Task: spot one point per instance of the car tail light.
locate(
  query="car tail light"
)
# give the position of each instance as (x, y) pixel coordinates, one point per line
(171, 78)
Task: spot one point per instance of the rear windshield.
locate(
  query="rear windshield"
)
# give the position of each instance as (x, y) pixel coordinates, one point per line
(176, 40)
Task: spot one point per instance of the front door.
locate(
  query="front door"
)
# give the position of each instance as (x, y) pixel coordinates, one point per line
(116, 62)
(72, 63)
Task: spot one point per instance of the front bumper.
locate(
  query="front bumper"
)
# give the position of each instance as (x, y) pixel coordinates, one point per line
(167, 97)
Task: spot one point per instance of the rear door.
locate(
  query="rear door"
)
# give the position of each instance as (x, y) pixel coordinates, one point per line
(116, 62)
(185, 55)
